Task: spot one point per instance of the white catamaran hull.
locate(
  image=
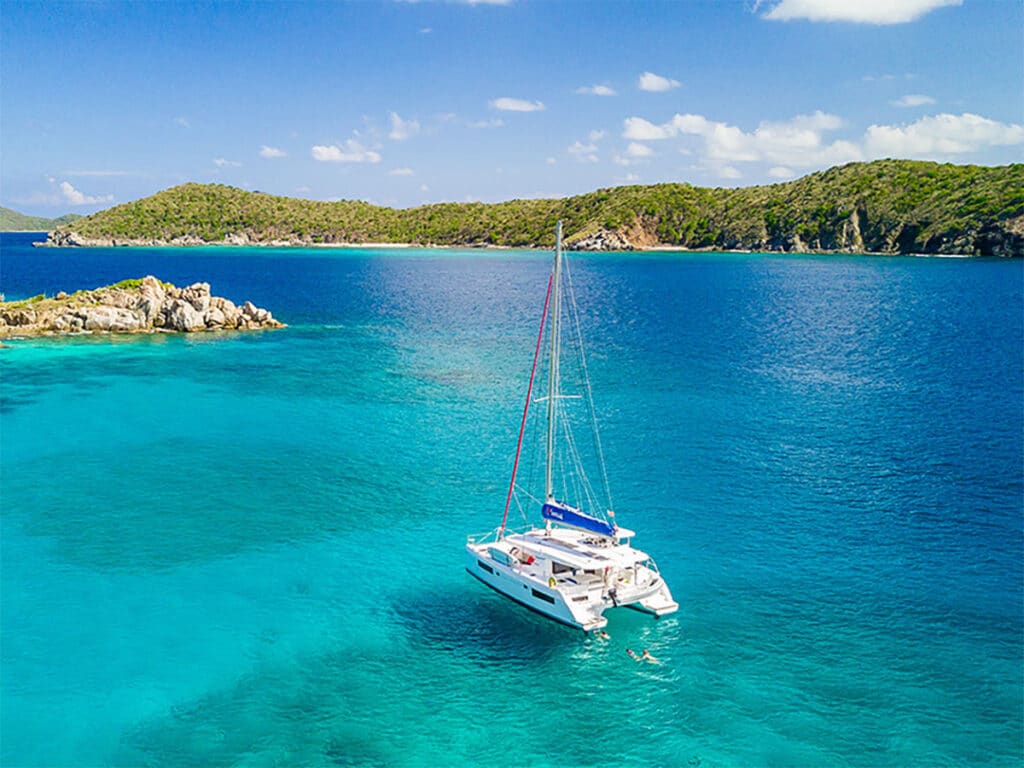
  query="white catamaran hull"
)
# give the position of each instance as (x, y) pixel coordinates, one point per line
(620, 576)
(532, 594)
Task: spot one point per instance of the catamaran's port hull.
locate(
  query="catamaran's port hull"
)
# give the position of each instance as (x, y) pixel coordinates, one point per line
(532, 594)
(534, 608)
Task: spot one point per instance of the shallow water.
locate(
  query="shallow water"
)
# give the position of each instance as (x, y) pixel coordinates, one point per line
(247, 549)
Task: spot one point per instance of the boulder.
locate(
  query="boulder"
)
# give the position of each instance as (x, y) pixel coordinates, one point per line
(215, 318)
(180, 315)
(198, 295)
(19, 317)
(111, 319)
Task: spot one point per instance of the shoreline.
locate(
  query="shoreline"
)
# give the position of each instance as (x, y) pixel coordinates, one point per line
(66, 239)
(679, 249)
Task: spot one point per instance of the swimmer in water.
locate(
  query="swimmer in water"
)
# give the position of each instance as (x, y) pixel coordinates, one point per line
(647, 657)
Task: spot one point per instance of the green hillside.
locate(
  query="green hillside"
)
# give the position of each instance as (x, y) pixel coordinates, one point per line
(12, 221)
(886, 206)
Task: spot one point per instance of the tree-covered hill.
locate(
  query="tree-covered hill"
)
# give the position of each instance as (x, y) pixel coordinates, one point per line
(12, 221)
(886, 206)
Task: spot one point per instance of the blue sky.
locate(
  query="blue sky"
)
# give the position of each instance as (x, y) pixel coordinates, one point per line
(404, 103)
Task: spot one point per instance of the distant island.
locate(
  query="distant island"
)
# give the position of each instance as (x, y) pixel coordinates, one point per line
(12, 221)
(882, 207)
(143, 305)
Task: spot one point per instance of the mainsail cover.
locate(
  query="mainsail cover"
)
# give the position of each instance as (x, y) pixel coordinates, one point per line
(566, 515)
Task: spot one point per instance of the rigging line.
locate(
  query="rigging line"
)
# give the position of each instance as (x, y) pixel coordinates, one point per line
(587, 387)
(526, 408)
(574, 471)
(583, 488)
(522, 510)
(528, 495)
(531, 455)
(583, 491)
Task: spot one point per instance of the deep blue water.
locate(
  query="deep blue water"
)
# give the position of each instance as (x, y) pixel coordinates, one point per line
(246, 549)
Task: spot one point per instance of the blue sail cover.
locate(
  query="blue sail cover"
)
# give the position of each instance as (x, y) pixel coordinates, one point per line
(560, 513)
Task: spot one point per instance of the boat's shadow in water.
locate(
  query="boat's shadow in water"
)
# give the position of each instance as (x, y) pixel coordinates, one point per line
(484, 626)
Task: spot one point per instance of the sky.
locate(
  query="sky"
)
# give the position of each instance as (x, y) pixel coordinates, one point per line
(404, 103)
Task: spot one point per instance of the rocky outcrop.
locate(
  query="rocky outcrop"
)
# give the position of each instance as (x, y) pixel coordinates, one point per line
(134, 306)
(602, 240)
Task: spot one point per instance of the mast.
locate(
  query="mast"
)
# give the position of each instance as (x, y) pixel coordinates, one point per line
(553, 384)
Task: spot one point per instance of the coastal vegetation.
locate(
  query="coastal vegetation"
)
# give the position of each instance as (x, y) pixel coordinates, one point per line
(885, 206)
(12, 221)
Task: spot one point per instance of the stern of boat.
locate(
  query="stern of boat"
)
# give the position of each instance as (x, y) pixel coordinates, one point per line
(660, 603)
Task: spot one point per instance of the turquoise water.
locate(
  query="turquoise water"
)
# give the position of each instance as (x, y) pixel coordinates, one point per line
(246, 550)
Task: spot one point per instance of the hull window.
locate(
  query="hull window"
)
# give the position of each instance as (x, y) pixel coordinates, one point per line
(485, 566)
(542, 596)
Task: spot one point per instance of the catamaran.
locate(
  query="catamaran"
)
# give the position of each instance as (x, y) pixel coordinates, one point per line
(580, 563)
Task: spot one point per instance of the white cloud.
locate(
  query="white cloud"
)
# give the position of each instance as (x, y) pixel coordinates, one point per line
(801, 142)
(652, 82)
(401, 172)
(913, 100)
(303, 190)
(220, 162)
(856, 11)
(728, 172)
(495, 123)
(426, 31)
(270, 152)
(507, 104)
(643, 130)
(424, 188)
(596, 135)
(183, 122)
(635, 149)
(351, 152)
(584, 153)
(595, 90)
(550, 161)
(74, 197)
(632, 177)
(797, 141)
(402, 129)
(943, 134)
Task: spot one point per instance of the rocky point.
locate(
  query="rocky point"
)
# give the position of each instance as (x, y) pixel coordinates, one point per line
(148, 305)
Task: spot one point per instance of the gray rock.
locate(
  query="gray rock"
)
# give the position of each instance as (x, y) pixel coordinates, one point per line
(111, 319)
(20, 317)
(604, 240)
(198, 295)
(180, 315)
(215, 318)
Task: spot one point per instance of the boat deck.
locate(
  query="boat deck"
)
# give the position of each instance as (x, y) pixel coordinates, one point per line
(579, 550)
